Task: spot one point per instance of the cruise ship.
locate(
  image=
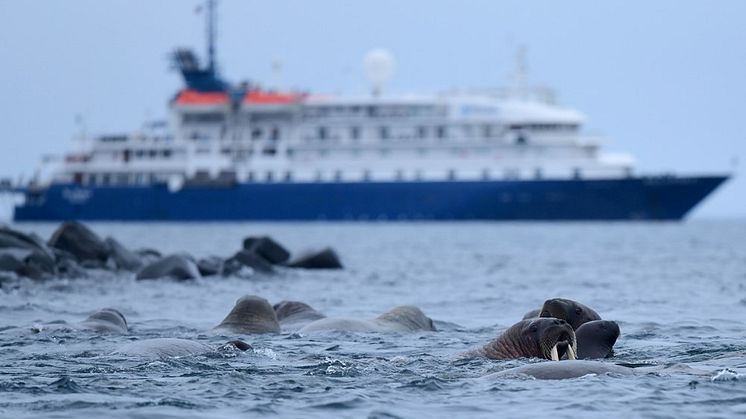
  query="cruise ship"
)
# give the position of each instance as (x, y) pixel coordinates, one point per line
(240, 152)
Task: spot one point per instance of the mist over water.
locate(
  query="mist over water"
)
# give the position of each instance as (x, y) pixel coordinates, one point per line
(678, 292)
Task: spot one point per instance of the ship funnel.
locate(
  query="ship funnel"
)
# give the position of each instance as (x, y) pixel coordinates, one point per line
(379, 67)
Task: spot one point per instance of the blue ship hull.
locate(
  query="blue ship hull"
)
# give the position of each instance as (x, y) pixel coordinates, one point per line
(639, 198)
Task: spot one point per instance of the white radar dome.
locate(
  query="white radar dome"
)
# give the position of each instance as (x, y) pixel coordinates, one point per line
(379, 67)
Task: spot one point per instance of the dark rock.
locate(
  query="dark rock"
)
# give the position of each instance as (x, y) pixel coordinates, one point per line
(209, 266)
(148, 256)
(38, 260)
(324, 259)
(173, 266)
(25, 262)
(123, 257)
(79, 240)
(249, 259)
(267, 248)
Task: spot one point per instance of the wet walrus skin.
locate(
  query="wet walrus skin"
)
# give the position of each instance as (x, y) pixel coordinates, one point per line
(546, 338)
(568, 310)
(398, 319)
(596, 339)
(562, 370)
(173, 347)
(295, 314)
(251, 315)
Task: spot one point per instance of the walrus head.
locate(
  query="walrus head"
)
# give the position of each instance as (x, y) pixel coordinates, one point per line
(109, 315)
(568, 310)
(285, 309)
(411, 317)
(547, 338)
(251, 314)
(596, 339)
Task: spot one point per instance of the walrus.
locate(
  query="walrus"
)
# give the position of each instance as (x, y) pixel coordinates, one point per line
(547, 338)
(106, 320)
(398, 319)
(293, 315)
(251, 315)
(596, 339)
(562, 370)
(171, 347)
(568, 310)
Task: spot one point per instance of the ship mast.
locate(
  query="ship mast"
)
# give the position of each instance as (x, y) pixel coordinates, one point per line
(211, 5)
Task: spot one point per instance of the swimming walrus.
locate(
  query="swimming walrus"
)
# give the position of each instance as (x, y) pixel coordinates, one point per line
(562, 370)
(251, 314)
(293, 315)
(398, 319)
(547, 338)
(172, 347)
(596, 339)
(106, 320)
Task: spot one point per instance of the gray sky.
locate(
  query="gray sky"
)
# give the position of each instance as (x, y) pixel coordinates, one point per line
(663, 80)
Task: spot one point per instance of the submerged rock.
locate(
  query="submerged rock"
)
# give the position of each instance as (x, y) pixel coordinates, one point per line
(267, 248)
(176, 266)
(81, 242)
(123, 257)
(324, 259)
(25, 255)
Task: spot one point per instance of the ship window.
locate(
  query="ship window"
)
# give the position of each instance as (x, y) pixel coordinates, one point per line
(288, 176)
(538, 173)
(384, 133)
(275, 135)
(317, 176)
(337, 175)
(152, 153)
(576, 173)
(421, 132)
(322, 133)
(521, 140)
(290, 152)
(105, 179)
(203, 117)
(440, 131)
(166, 153)
(139, 154)
(269, 177)
(485, 174)
(451, 174)
(418, 174)
(355, 133)
(399, 175)
(366, 175)
(250, 177)
(256, 133)
(511, 174)
(269, 151)
(486, 131)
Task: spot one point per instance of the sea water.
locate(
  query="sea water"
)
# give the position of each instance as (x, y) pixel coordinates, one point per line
(677, 290)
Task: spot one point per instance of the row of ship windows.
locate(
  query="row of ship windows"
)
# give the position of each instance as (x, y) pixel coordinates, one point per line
(111, 179)
(323, 133)
(370, 111)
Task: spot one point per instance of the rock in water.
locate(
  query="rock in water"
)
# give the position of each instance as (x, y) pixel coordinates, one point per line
(173, 266)
(26, 255)
(123, 257)
(267, 248)
(209, 266)
(246, 258)
(323, 259)
(81, 242)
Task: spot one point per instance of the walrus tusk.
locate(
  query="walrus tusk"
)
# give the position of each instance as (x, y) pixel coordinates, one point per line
(571, 352)
(554, 354)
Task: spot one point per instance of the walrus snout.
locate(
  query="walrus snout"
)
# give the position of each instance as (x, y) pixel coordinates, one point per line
(558, 340)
